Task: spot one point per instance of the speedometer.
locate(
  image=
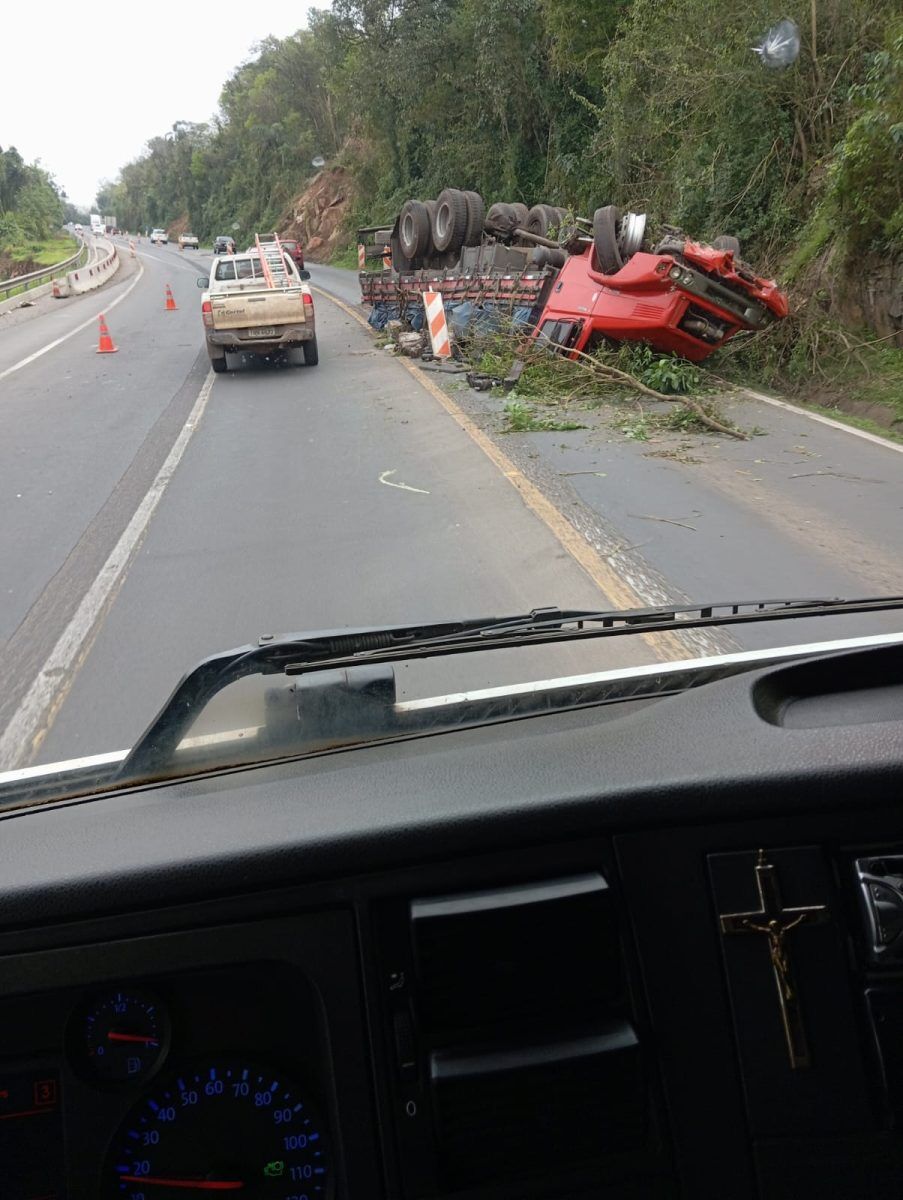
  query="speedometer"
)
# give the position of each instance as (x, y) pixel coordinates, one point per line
(230, 1126)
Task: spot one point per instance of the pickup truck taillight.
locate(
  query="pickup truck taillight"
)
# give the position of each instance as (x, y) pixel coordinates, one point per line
(207, 314)
(308, 299)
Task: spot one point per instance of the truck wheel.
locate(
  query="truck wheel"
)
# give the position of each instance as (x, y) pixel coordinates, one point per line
(219, 364)
(414, 229)
(476, 214)
(500, 219)
(311, 353)
(631, 231)
(726, 242)
(605, 239)
(543, 217)
(537, 221)
(521, 215)
(450, 220)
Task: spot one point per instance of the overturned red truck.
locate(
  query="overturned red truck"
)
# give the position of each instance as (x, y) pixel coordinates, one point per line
(577, 283)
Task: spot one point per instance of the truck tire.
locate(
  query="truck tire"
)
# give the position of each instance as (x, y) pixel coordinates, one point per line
(476, 215)
(725, 242)
(311, 353)
(543, 217)
(414, 229)
(605, 239)
(450, 220)
(521, 215)
(501, 218)
(219, 365)
(537, 221)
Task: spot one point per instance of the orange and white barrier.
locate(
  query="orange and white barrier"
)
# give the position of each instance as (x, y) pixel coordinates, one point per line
(132, 247)
(437, 324)
(387, 258)
(361, 257)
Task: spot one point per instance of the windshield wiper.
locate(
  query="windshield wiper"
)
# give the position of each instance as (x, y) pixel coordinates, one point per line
(299, 654)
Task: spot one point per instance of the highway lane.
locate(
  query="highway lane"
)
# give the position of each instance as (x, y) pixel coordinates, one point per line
(72, 421)
(81, 437)
(315, 498)
(306, 498)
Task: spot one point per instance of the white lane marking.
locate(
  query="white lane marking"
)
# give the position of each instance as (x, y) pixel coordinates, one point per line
(56, 676)
(875, 438)
(72, 332)
(170, 261)
(384, 478)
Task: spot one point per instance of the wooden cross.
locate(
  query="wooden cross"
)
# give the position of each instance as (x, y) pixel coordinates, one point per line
(776, 922)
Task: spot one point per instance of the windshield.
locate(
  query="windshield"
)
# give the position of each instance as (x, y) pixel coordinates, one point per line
(603, 314)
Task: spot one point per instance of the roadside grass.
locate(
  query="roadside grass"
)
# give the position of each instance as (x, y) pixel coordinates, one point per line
(837, 414)
(853, 378)
(346, 258)
(521, 418)
(46, 253)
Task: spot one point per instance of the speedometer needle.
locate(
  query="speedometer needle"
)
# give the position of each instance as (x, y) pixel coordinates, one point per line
(204, 1185)
(113, 1036)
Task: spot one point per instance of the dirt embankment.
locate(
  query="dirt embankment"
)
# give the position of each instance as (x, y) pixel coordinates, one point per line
(318, 217)
(11, 268)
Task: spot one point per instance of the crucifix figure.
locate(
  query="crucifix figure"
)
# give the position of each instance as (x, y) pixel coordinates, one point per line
(776, 922)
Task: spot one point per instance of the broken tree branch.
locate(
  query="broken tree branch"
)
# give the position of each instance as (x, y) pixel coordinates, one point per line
(614, 375)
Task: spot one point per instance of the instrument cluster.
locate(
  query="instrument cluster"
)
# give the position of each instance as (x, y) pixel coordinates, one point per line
(147, 1090)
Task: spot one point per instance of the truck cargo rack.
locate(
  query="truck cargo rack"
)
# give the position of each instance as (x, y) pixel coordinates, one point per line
(518, 289)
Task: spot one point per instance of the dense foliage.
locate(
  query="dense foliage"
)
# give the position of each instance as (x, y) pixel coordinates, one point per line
(31, 206)
(659, 106)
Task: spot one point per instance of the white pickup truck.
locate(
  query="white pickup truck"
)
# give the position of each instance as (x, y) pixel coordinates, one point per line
(243, 314)
(188, 239)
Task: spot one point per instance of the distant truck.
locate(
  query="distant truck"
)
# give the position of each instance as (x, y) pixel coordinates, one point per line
(97, 227)
(259, 304)
(188, 240)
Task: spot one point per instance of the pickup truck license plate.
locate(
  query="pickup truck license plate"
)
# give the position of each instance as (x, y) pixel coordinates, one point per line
(261, 333)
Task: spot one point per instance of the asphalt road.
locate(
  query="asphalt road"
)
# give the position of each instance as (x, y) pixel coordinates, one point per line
(307, 498)
(152, 513)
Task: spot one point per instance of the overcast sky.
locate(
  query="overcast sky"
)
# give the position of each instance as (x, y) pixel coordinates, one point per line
(154, 64)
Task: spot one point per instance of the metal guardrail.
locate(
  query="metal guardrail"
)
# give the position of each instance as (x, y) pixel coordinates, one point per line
(22, 283)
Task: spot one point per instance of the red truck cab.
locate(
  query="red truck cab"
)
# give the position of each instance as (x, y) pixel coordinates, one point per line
(689, 301)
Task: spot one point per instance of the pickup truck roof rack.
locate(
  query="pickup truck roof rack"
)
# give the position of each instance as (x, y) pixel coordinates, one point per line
(272, 259)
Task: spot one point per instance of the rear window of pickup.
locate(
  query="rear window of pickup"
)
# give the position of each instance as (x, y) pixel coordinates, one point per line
(246, 268)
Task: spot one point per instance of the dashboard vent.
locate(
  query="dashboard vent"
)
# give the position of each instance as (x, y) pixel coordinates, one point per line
(518, 958)
(525, 1048)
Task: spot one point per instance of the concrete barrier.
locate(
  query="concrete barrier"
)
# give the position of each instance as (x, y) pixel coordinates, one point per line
(85, 279)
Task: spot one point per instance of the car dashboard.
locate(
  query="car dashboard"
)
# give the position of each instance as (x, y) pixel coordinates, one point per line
(645, 949)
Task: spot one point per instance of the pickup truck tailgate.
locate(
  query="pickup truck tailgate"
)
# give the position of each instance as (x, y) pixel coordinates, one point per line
(259, 308)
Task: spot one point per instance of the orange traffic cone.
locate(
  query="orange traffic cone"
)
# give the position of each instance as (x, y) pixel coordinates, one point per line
(105, 344)
(170, 301)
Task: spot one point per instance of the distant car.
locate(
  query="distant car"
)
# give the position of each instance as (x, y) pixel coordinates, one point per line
(294, 249)
(188, 239)
(159, 237)
(224, 245)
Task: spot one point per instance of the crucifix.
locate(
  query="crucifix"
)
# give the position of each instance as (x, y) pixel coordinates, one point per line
(776, 922)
